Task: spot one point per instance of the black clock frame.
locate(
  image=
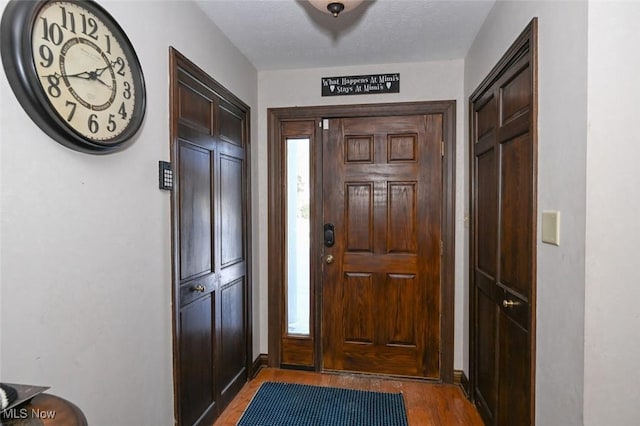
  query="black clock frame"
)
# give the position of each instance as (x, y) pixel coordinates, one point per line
(16, 28)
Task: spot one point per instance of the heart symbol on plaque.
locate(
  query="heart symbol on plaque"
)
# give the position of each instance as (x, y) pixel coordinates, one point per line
(388, 85)
(332, 87)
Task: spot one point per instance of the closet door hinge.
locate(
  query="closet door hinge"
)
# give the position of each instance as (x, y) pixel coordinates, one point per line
(442, 148)
(441, 248)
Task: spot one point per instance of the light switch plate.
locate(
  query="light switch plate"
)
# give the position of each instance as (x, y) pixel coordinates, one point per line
(551, 227)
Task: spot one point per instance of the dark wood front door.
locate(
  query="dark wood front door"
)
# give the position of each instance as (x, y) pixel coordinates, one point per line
(384, 176)
(209, 208)
(503, 237)
(381, 286)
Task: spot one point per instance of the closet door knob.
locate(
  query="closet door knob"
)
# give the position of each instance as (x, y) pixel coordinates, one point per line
(510, 303)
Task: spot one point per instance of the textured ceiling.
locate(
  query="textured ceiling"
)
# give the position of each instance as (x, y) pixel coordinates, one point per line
(285, 34)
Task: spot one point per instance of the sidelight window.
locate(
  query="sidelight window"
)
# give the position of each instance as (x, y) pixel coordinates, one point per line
(298, 282)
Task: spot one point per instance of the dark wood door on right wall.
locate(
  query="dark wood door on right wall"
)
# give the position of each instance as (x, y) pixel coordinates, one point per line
(503, 236)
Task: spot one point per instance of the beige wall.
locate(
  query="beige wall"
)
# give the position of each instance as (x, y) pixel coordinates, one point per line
(612, 315)
(85, 244)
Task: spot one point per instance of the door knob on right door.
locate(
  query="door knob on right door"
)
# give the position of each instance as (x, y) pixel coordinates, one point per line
(510, 303)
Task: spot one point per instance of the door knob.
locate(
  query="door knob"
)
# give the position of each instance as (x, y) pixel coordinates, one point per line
(510, 303)
(329, 259)
(199, 288)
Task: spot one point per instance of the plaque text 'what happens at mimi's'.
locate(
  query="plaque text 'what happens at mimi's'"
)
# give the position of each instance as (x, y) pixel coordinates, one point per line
(361, 85)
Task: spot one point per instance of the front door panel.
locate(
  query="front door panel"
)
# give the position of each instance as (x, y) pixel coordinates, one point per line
(381, 289)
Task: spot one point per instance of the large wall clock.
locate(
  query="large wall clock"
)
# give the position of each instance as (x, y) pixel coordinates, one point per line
(74, 71)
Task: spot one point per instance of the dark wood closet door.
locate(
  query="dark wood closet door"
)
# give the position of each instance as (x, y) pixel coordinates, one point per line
(197, 276)
(503, 126)
(232, 222)
(211, 294)
(382, 278)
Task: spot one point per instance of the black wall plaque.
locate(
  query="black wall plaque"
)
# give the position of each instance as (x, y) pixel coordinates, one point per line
(361, 84)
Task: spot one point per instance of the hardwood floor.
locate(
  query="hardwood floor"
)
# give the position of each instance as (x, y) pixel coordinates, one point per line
(427, 404)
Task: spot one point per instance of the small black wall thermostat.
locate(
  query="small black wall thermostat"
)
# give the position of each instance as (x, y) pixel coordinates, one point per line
(165, 175)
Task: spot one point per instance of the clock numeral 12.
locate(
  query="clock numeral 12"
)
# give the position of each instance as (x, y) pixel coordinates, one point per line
(92, 24)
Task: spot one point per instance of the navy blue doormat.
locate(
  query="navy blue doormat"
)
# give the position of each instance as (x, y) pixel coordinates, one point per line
(286, 404)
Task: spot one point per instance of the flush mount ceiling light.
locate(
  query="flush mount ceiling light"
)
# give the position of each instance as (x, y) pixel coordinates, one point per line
(335, 7)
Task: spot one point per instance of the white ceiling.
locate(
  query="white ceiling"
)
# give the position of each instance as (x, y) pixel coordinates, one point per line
(286, 34)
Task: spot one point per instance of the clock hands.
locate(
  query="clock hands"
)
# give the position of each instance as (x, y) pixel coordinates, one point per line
(103, 83)
(95, 75)
(86, 75)
(99, 71)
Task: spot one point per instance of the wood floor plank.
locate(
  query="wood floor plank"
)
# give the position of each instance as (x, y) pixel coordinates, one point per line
(427, 404)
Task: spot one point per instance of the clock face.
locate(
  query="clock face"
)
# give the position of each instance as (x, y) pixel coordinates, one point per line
(83, 70)
(82, 82)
